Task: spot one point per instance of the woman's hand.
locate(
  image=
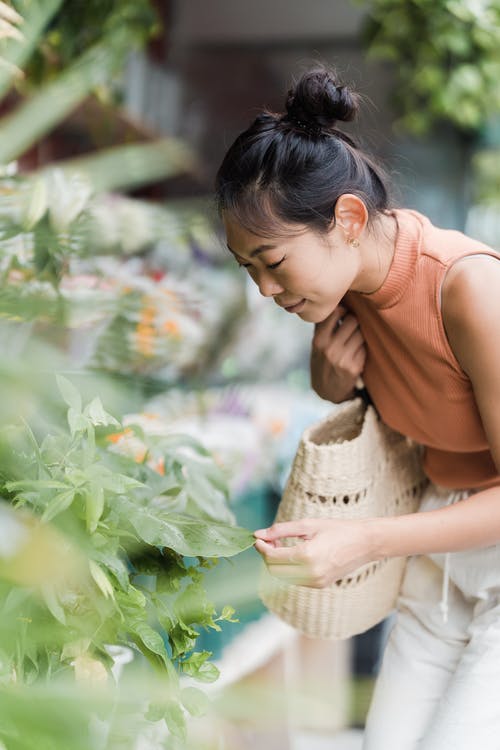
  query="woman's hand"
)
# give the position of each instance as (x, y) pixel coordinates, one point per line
(338, 356)
(326, 550)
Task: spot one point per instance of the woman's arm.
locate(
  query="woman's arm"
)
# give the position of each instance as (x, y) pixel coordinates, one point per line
(331, 549)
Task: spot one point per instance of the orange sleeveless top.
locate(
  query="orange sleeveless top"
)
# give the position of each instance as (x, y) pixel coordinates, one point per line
(411, 373)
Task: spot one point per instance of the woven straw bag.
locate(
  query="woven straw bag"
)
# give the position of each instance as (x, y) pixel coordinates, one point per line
(349, 465)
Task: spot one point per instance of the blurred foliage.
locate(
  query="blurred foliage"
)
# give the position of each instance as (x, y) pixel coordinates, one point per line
(48, 217)
(75, 27)
(60, 266)
(137, 510)
(445, 57)
(104, 539)
(486, 166)
(483, 214)
(105, 532)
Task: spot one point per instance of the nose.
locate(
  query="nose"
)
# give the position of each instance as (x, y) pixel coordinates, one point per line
(268, 286)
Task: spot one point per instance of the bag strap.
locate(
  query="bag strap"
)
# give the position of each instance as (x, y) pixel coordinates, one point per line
(361, 392)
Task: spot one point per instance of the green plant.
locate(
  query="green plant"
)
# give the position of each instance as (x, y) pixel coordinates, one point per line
(100, 548)
(51, 216)
(134, 532)
(445, 59)
(58, 33)
(74, 27)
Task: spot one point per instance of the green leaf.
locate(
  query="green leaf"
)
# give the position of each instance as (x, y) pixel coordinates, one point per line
(134, 599)
(153, 641)
(150, 637)
(14, 599)
(94, 506)
(120, 484)
(78, 477)
(50, 598)
(58, 504)
(209, 500)
(42, 469)
(174, 571)
(182, 639)
(36, 17)
(39, 113)
(115, 565)
(195, 701)
(96, 414)
(54, 448)
(227, 614)
(175, 720)
(36, 204)
(187, 535)
(69, 393)
(192, 606)
(101, 580)
(198, 667)
(25, 485)
(76, 421)
(155, 712)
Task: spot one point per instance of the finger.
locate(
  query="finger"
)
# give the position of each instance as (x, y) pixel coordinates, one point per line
(338, 347)
(336, 341)
(337, 313)
(349, 326)
(354, 342)
(279, 555)
(300, 528)
(360, 356)
(324, 329)
(358, 359)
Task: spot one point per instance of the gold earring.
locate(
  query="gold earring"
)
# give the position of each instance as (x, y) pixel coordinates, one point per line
(353, 242)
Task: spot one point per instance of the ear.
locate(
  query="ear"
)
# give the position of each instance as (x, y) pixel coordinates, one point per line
(351, 215)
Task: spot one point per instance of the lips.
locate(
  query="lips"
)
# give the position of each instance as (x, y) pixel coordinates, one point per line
(295, 307)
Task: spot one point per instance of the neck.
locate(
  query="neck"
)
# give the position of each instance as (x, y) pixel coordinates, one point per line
(376, 254)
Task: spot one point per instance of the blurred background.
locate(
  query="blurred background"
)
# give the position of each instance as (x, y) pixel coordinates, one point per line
(146, 380)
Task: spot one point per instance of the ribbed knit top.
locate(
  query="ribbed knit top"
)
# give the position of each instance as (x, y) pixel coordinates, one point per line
(411, 373)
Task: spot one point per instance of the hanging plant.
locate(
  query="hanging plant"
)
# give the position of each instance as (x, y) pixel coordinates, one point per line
(445, 57)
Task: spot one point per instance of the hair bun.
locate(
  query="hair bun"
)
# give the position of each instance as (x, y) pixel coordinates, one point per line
(320, 100)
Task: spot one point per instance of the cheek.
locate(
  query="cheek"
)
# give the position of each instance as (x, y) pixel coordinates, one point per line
(298, 276)
(314, 272)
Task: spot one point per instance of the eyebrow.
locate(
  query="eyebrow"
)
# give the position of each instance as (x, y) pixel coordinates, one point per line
(256, 251)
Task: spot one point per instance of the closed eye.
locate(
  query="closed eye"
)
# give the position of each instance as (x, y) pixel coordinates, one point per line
(275, 265)
(272, 266)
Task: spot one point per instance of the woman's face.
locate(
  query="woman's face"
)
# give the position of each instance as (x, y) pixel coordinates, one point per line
(306, 274)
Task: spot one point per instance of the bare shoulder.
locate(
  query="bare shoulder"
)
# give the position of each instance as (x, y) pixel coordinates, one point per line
(471, 316)
(470, 306)
(469, 277)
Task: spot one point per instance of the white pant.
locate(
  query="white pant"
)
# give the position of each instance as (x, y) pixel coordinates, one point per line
(439, 683)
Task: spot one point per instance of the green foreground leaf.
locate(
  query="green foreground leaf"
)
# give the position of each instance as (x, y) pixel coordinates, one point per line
(188, 535)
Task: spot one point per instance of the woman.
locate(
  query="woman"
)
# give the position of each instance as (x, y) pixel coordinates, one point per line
(415, 311)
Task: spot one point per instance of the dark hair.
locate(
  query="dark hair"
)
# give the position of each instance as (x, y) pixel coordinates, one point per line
(291, 168)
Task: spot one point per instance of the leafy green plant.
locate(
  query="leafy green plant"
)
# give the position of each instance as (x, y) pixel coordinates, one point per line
(143, 529)
(105, 533)
(444, 57)
(74, 27)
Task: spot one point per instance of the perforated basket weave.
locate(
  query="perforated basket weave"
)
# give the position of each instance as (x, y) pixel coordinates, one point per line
(349, 465)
